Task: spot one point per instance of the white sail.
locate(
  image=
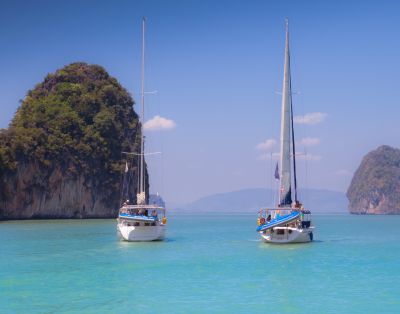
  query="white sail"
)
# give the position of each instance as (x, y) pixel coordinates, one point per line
(285, 198)
(141, 198)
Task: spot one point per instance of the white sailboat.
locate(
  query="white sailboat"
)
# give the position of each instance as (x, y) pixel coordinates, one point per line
(141, 222)
(288, 222)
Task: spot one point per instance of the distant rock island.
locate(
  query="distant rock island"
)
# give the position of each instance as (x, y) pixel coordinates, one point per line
(250, 201)
(156, 200)
(61, 156)
(375, 187)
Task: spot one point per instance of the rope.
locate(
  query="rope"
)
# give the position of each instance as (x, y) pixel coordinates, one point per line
(273, 125)
(130, 174)
(160, 139)
(304, 128)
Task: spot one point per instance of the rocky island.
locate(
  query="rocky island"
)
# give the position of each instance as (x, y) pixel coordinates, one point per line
(61, 156)
(375, 187)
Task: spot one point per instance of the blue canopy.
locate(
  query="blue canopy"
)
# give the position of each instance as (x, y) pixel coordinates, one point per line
(279, 221)
(137, 218)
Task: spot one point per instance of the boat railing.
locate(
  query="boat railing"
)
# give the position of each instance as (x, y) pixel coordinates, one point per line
(144, 210)
(273, 213)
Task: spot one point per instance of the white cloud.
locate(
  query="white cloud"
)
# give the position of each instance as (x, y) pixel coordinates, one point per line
(308, 141)
(310, 118)
(267, 144)
(343, 172)
(159, 123)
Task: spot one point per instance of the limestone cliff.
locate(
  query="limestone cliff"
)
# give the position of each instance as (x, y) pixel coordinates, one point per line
(61, 156)
(375, 187)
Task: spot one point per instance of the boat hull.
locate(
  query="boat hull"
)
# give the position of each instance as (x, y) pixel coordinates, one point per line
(141, 233)
(289, 235)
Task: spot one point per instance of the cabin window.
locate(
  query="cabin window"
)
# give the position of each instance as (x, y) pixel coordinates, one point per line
(280, 231)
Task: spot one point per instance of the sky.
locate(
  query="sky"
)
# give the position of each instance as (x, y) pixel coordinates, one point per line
(217, 67)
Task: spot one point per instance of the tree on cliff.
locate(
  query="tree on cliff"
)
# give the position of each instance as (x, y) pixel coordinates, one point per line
(375, 187)
(68, 134)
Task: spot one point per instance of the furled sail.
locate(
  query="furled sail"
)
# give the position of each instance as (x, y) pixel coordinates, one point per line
(126, 181)
(285, 198)
(141, 198)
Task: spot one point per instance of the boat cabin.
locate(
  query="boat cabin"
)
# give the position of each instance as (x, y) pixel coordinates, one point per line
(142, 215)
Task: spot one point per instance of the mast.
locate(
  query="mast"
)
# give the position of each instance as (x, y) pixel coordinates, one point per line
(293, 144)
(285, 198)
(142, 139)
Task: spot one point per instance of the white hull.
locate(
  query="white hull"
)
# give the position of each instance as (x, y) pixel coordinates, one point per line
(290, 235)
(141, 233)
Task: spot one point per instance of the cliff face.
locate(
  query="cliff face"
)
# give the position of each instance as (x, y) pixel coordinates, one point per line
(375, 187)
(61, 155)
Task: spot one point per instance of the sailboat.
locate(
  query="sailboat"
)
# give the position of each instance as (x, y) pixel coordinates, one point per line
(141, 222)
(289, 222)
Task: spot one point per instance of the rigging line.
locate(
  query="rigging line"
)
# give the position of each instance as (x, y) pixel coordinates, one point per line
(307, 183)
(305, 147)
(162, 148)
(151, 145)
(272, 148)
(159, 113)
(302, 137)
(134, 64)
(301, 95)
(130, 175)
(273, 125)
(132, 147)
(138, 175)
(155, 81)
(273, 122)
(130, 81)
(294, 148)
(300, 131)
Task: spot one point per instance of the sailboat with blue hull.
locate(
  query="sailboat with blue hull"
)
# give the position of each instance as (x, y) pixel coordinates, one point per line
(288, 222)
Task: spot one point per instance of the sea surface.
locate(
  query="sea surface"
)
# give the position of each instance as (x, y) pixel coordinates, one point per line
(213, 264)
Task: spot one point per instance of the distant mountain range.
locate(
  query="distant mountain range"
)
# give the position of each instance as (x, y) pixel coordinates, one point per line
(250, 201)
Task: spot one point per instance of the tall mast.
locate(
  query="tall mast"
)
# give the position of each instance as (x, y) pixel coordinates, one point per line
(142, 139)
(285, 198)
(293, 144)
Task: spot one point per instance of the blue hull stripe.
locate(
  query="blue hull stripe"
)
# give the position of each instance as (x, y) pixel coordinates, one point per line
(279, 221)
(137, 217)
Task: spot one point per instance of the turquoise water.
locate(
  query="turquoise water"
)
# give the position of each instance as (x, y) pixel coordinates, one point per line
(207, 264)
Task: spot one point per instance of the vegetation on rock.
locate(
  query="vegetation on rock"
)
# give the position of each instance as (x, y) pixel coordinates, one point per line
(80, 119)
(375, 187)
